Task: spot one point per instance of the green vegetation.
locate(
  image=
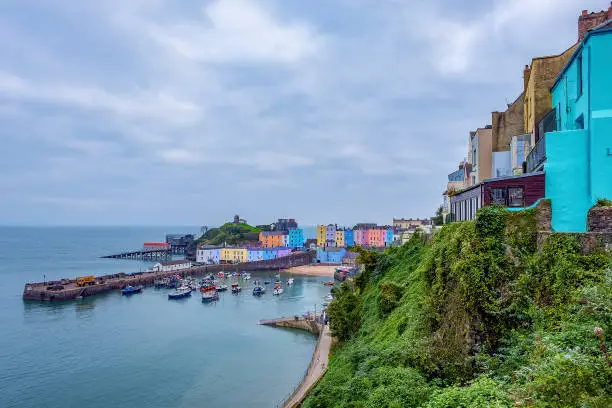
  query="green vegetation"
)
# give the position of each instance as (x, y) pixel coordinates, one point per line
(231, 234)
(475, 318)
(603, 202)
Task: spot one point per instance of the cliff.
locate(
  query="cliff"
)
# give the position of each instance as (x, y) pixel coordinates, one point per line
(478, 317)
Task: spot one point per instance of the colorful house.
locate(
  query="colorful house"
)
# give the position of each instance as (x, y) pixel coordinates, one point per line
(269, 253)
(234, 255)
(389, 237)
(361, 237)
(349, 238)
(339, 238)
(208, 255)
(332, 255)
(330, 236)
(296, 238)
(578, 152)
(272, 239)
(255, 254)
(321, 235)
(280, 252)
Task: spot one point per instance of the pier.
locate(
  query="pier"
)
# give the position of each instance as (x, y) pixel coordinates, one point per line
(67, 289)
(145, 255)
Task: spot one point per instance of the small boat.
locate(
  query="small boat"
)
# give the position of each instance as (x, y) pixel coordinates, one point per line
(220, 275)
(329, 283)
(206, 286)
(180, 293)
(221, 288)
(130, 290)
(290, 281)
(236, 288)
(267, 282)
(246, 276)
(258, 290)
(278, 290)
(210, 296)
(329, 298)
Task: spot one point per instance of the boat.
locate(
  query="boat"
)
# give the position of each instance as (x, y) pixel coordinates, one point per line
(130, 290)
(236, 288)
(246, 276)
(210, 296)
(220, 275)
(206, 286)
(221, 288)
(329, 298)
(329, 283)
(290, 281)
(180, 293)
(267, 282)
(258, 290)
(278, 289)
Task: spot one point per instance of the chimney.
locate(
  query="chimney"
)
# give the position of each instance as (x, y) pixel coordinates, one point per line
(526, 74)
(588, 21)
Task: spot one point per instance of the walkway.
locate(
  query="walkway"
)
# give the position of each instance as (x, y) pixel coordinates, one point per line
(318, 367)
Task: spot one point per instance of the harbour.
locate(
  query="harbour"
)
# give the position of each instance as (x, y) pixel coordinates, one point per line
(143, 349)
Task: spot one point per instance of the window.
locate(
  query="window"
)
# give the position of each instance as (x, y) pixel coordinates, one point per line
(516, 197)
(579, 66)
(498, 196)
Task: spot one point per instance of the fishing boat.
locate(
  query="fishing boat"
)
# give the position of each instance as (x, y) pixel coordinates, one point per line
(180, 293)
(258, 290)
(290, 281)
(220, 275)
(236, 288)
(210, 296)
(329, 283)
(221, 288)
(278, 289)
(130, 290)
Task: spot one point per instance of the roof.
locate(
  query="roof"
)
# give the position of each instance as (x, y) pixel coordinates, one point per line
(177, 262)
(519, 176)
(156, 243)
(603, 28)
(274, 232)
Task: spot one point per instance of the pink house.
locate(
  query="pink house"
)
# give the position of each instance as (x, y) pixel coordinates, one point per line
(280, 252)
(361, 237)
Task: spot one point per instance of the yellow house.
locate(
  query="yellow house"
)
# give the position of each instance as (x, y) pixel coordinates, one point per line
(339, 237)
(234, 255)
(321, 235)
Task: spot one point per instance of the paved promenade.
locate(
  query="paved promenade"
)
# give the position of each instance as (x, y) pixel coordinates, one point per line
(318, 367)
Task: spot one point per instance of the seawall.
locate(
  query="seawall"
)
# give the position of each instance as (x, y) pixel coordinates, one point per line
(44, 291)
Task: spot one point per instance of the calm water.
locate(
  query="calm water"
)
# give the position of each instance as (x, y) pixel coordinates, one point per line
(143, 350)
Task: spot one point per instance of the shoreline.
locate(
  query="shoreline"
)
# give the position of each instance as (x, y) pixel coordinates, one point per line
(313, 270)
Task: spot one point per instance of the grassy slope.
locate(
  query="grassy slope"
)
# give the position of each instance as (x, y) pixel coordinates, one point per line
(230, 233)
(483, 321)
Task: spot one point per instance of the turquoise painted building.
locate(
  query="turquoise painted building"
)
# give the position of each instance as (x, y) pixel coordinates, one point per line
(579, 152)
(296, 238)
(269, 253)
(349, 238)
(389, 237)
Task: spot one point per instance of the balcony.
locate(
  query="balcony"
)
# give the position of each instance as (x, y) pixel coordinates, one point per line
(537, 156)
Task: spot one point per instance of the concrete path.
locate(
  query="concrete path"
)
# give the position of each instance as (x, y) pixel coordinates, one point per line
(318, 367)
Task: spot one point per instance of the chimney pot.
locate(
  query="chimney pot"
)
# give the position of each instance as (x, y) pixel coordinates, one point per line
(585, 12)
(526, 67)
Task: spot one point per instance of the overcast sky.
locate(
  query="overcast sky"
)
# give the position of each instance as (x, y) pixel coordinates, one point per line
(159, 112)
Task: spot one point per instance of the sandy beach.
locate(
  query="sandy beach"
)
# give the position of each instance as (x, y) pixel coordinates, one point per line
(313, 270)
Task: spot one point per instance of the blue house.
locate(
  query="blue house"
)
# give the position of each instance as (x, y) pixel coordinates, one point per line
(330, 255)
(349, 238)
(296, 238)
(269, 253)
(389, 237)
(579, 151)
(255, 254)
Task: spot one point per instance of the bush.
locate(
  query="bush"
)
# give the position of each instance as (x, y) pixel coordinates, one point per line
(390, 295)
(603, 202)
(482, 393)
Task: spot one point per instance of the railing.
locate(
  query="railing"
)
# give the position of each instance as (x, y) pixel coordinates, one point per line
(537, 156)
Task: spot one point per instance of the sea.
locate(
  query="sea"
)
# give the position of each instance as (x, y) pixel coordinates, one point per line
(143, 350)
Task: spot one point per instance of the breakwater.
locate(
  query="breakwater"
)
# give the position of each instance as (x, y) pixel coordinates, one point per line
(66, 289)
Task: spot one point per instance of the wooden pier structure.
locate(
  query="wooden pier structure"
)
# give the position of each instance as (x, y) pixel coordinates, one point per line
(145, 255)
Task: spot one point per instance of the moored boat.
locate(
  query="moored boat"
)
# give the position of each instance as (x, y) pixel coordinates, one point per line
(180, 293)
(290, 281)
(210, 296)
(221, 288)
(236, 288)
(258, 290)
(329, 283)
(278, 289)
(130, 290)
(246, 276)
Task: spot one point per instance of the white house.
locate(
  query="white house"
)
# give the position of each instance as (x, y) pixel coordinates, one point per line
(285, 240)
(208, 255)
(171, 266)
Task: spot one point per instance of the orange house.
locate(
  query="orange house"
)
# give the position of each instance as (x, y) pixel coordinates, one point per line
(271, 239)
